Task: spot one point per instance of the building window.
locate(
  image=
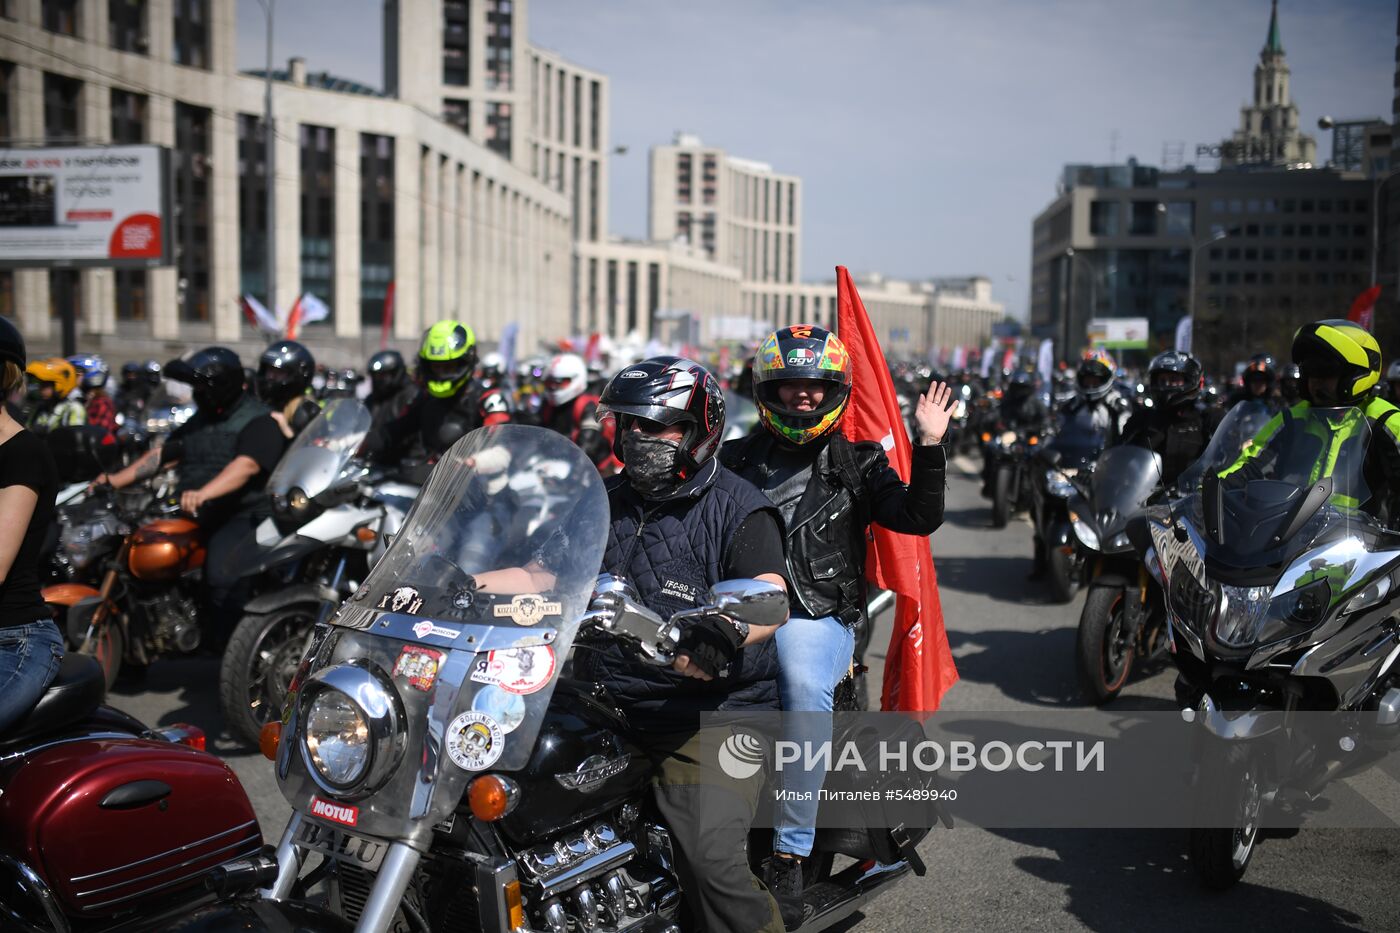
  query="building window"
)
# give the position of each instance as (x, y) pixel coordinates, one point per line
(578, 110)
(192, 247)
(61, 109)
(1324, 230)
(559, 111)
(376, 225)
(7, 293)
(593, 200)
(1305, 230)
(7, 11)
(610, 309)
(1252, 206)
(1144, 222)
(498, 127)
(498, 44)
(631, 297)
(1217, 206)
(458, 113)
(1324, 206)
(128, 117)
(595, 107)
(1251, 230)
(653, 294)
(456, 43)
(252, 207)
(126, 26)
(1305, 206)
(1289, 205)
(131, 294)
(7, 76)
(1181, 218)
(60, 16)
(318, 212)
(192, 33)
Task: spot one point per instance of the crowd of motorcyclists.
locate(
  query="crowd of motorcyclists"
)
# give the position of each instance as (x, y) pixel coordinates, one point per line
(790, 503)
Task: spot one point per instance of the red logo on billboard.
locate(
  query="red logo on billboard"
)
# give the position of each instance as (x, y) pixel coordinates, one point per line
(336, 812)
(136, 237)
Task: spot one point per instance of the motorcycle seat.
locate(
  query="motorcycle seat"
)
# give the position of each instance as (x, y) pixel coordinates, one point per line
(77, 690)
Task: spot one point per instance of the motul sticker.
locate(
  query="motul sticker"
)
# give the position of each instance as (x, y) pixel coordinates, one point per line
(424, 629)
(517, 670)
(342, 813)
(527, 609)
(404, 599)
(419, 665)
(475, 741)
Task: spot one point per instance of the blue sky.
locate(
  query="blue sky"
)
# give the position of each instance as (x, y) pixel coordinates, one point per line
(928, 133)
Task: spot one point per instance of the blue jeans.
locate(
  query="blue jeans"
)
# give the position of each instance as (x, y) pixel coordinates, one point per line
(29, 657)
(813, 656)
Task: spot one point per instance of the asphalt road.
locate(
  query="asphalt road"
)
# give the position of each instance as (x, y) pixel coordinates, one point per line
(1014, 651)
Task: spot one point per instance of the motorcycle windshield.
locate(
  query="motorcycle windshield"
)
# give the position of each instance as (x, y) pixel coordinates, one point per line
(1298, 477)
(1239, 426)
(1124, 477)
(1078, 439)
(318, 454)
(469, 616)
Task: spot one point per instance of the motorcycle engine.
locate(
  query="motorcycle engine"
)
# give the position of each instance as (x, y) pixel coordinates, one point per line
(172, 622)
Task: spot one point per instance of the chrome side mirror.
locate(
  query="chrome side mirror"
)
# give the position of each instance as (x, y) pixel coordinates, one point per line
(756, 602)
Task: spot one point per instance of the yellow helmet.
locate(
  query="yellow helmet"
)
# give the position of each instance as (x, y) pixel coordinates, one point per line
(1340, 350)
(55, 370)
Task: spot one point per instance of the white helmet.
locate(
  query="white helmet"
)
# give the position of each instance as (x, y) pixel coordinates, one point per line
(565, 378)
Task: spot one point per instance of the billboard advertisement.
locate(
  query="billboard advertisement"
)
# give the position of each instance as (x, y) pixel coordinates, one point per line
(85, 206)
(1119, 333)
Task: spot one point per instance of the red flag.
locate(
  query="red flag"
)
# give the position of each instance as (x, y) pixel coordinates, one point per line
(591, 351)
(1363, 309)
(919, 667)
(387, 321)
(294, 319)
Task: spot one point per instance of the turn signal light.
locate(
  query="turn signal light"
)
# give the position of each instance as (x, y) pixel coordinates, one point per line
(986, 436)
(365, 534)
(492, 796)
(515, 910)
(1033, 440)
(269, 738)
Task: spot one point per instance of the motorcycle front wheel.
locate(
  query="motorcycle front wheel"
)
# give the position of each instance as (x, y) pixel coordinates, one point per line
(1104, 650)
(1065, 567)
(259, 662)
(1220, 854)
(1001, 498)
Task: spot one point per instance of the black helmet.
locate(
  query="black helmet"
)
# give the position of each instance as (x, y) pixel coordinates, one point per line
(1174, 379)
(1290, 382)
(11, 344)
(216, 376)
(803, 351)
(1020, 386)
(131, 372)
(284, 371)
(387, 373)
(1261, 368)
(152, 371)
(669, 390)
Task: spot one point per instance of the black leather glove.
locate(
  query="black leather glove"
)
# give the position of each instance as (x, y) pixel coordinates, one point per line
(710, 643)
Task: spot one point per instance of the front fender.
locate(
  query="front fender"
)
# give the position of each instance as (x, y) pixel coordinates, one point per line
(259, 916)
(280, 599)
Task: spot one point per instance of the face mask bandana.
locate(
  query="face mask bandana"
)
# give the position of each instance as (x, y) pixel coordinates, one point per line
(651, 464)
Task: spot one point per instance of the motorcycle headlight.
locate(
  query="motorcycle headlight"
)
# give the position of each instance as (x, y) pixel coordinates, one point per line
(1193, 604)
(1008, 437)
(1084, 532)
(1248, 617)
(1370, 595)
(337, 739)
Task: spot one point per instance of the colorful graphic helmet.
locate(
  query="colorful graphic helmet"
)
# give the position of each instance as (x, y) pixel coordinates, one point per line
(447, 357)
(565, 378)
(1174, 378)
(1094, 377)
(669, 390)
(1340, 350)
(56, 371)
(802, 351)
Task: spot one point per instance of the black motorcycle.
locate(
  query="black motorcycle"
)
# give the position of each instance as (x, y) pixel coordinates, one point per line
(445, 767)
(1068, 463)
(1124, 616)
(1009, 463)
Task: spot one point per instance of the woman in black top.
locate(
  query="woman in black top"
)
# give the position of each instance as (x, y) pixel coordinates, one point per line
(30, 644)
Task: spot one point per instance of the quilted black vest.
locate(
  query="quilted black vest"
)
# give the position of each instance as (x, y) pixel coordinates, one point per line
(209, 446)
(673, 551)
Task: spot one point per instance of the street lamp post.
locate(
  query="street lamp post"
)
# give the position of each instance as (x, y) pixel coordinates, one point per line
(269, 167)
(1215, 237)
(1093, 296)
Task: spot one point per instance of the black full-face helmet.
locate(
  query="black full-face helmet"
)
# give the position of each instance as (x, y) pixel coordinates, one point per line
(668, 390)
(284, 372)
(1174, 379)
(387, 374)
(216, 376)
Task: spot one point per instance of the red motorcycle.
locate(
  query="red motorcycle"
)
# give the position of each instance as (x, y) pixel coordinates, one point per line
(106, 825)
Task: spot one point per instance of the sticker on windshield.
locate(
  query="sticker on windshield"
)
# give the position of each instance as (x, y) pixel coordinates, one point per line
(404, 599)
(527, 609)
(425, 628)
(518, 670)
(419, 665)
(475, 741)
(508, 709)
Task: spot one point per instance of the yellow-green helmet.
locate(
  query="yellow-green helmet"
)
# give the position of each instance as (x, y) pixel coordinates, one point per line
(1340, 350)
(447, 357)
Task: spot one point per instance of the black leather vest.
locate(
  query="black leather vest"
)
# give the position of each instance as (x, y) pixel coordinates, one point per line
(673, 551)
(209, 446)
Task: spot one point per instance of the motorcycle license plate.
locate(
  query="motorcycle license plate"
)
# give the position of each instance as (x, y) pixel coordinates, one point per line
(341, 845)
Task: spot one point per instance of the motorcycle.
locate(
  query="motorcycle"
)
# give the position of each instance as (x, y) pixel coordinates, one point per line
(1068, 462)
(1010, 455)
(1124, 614)
(1280, 600)
(330, 522)
(106, 825)
(439, 756)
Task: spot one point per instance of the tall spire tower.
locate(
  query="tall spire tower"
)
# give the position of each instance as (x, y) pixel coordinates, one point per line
(1268, 132)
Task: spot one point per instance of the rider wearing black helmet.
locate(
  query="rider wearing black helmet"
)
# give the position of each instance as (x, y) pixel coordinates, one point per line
(1259, 382)
(284, 375)
(225, 453)
(682, 522)
(1175, 427)
(391, 390)
(1021, 410)
(1290, 385)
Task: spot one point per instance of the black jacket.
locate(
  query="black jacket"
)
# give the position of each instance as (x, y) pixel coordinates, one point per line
(1179, 435)
(852, 486)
